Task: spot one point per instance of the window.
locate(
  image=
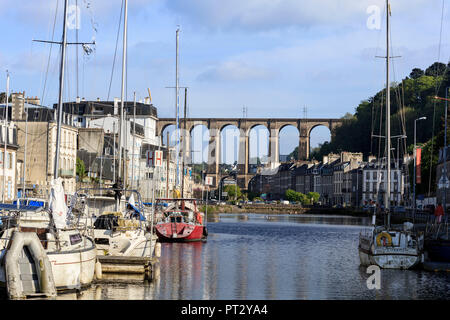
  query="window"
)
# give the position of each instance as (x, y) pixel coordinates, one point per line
(9, 189)
(374, 175)
(9, 160)
(75, 238)
(367, 175)
(10, 135)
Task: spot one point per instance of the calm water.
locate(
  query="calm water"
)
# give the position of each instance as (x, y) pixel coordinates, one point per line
(256, 256)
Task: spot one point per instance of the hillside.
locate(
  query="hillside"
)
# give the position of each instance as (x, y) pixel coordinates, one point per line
(415, 93)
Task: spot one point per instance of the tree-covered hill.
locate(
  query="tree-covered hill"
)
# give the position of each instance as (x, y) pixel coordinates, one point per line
(411, 98)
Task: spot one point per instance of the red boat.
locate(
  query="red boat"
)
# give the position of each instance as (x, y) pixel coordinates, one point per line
(181, 222)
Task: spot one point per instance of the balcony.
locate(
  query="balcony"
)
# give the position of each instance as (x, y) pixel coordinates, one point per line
(66, 173)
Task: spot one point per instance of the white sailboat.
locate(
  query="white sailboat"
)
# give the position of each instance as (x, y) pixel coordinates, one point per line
(123, 231)
(72, 256)
(390, 246)
(39, 253)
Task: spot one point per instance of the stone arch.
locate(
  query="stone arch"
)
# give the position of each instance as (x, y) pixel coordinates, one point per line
(166, 126)
(225, 145)
(223, 125)
(255, 155)
(253, 124)
(310, 134)
(196, 152)
(286, 152)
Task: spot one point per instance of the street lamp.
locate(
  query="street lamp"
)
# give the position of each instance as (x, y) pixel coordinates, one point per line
(415, 154)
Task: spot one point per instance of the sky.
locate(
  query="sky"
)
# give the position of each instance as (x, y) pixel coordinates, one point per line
(274, 57)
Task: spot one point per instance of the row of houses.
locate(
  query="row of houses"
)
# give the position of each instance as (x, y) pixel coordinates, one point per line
(340, 179)
(89, 133)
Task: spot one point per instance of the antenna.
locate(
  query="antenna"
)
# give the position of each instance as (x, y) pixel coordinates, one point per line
(244, 112)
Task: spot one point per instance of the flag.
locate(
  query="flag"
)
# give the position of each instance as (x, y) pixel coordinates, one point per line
(418, 162)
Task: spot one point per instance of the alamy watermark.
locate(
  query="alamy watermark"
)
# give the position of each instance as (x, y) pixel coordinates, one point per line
(73, 17)
(374, 280)
(374, 20)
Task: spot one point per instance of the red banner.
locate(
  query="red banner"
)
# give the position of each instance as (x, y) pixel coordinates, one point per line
(418, 161)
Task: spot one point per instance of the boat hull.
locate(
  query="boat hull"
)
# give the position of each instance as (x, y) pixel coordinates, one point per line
(179, 232)
(438, 250)
(389, 260)
(72, 270)
(389, 250)
(133, 243)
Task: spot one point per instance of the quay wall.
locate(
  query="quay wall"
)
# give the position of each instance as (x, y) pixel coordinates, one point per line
(419, 217)
(280, 209)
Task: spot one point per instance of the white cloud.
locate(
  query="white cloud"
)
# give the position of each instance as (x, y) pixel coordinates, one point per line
(264, 15)
(234, 71)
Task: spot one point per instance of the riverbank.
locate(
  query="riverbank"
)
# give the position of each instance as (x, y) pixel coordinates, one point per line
(281, 209)
(396, 218)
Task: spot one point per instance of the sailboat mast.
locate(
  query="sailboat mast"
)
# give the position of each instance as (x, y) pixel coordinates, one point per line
(5, 138)
(134, 134)
(388, 122)
(61, 87)
(184, 143)
(177, 107)
(124, 66)
(25, 150)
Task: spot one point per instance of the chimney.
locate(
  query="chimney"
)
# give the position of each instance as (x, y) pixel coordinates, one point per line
(78, 100)
(18, 106)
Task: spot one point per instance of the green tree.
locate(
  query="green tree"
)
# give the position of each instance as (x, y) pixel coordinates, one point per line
(436, 69)
(314, 196)
(416, 73)
(80, 169)
(294, 154)
(292, 195)
(233, 192)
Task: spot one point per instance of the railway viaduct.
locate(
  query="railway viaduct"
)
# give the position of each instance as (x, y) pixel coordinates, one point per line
(216, 125)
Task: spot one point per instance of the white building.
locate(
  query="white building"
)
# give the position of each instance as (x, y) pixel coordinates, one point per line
(8, 169)
(374, 183)
(139, 136)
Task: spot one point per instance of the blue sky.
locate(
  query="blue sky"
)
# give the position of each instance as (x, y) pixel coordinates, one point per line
(274, 57)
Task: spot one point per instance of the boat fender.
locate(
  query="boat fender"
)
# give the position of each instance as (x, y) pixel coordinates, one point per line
(158, 249)
(98, 270)
(384, 235)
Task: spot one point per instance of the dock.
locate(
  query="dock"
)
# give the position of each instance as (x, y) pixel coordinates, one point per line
(125, 268)
(436, 266)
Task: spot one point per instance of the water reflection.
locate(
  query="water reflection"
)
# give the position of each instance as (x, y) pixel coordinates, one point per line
(288, 257)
